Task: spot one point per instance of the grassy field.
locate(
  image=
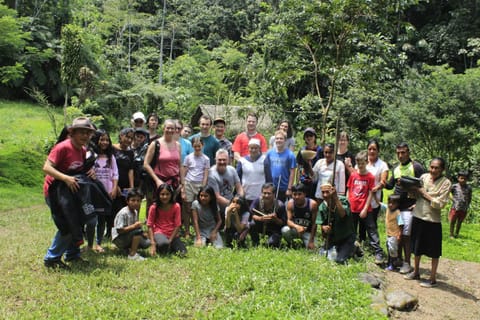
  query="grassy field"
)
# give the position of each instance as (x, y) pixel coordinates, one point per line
(207, 284)
(23, 135)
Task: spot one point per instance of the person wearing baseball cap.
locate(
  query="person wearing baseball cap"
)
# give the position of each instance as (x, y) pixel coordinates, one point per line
(138, 120)
(305, 163)
(220, 126)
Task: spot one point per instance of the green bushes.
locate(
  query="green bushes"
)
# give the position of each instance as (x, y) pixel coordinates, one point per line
(22, 168)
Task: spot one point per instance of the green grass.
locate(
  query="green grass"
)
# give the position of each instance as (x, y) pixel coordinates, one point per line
(465, 247)
(24, 132)
(208, 283)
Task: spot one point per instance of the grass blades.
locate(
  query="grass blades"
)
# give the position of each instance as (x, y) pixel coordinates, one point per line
(207, 284)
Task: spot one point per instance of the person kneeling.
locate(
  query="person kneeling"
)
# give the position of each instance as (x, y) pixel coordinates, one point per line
(336, 223)
(236, 222)
(127, 231)
(164, 222)
(267, 217)
(301, 217)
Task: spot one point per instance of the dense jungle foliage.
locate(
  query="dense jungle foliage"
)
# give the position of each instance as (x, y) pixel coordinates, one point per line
(395, 70)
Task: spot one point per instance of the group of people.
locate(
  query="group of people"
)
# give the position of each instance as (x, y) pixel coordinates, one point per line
(226, 191)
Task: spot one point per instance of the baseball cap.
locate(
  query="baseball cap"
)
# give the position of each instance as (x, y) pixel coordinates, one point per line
(139, 115)
(309, 130)
(217, 120)
(142, 131)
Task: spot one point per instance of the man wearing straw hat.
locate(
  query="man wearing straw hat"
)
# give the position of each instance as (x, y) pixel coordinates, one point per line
(64, 161)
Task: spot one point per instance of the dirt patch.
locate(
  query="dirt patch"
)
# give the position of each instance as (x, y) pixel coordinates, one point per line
(457, 295)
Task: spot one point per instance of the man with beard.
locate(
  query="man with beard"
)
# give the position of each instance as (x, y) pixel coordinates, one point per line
(224, 180)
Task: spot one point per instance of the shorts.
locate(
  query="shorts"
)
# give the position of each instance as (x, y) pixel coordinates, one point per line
(124, 241)
(458, 214)
(191, 190)
(407, 220)
(392, 246)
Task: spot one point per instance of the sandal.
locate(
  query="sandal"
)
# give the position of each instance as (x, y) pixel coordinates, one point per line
(412, 276)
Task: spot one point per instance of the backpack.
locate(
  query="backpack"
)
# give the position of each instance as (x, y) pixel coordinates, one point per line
(153, 163)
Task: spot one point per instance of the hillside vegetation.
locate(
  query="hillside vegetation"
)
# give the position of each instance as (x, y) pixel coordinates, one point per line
(24, 134)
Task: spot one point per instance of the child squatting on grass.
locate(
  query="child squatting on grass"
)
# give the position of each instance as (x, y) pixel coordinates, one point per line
(127, 233)
(236, 222)
(164, 223)
(206, 218)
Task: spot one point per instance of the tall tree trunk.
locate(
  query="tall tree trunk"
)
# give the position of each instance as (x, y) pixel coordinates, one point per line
(160, 69)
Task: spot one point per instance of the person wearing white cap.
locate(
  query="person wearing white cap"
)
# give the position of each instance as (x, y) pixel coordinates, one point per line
(138, 120)
(253, 171)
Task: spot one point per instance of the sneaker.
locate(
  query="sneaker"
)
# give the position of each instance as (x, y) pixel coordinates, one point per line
(378, 259)
(358, 250)
(55, 264)
(406, 268)
(136, 257)
(389, 268)
(78, 260)
(398, 263)
(411, 276)
(428, 284)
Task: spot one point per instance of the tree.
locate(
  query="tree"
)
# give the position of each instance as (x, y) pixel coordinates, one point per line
(308, 50)
(12, 45)
(438, 113)
(71, 59)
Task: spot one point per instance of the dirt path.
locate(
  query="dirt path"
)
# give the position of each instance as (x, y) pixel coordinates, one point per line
(456, 297)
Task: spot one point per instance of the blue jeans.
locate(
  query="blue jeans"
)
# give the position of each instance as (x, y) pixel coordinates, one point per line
(61, 245)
